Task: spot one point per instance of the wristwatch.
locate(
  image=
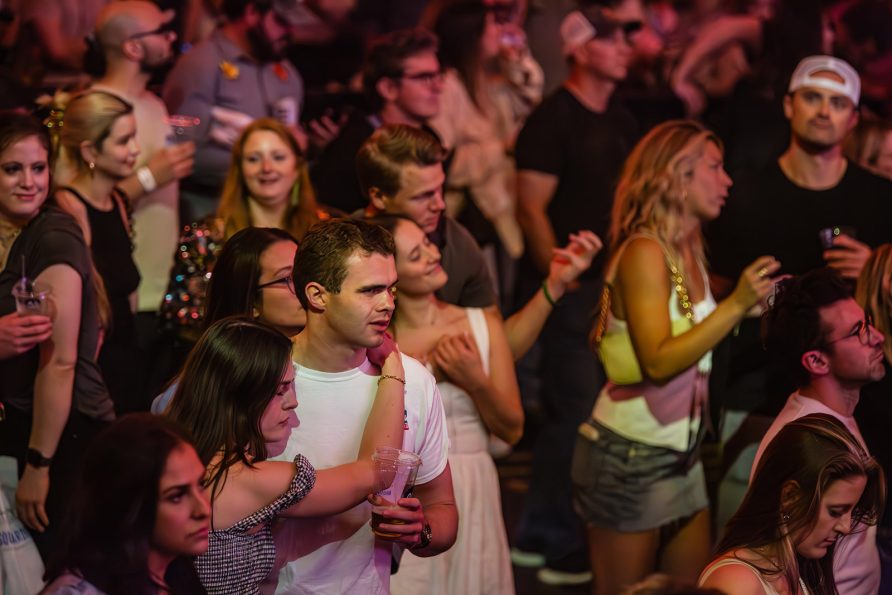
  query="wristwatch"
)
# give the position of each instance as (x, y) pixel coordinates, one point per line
(426, 536)
(36, 459)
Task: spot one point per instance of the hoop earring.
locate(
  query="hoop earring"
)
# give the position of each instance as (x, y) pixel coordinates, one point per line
(295, 194)
(91, 165)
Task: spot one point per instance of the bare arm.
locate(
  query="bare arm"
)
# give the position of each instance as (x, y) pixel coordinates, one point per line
(384, 426)
(53, 388)
(167, 164)
(644, 289)
(524, 326)
(735, 579)
(496, 396)
(710, 41)
(535, 191)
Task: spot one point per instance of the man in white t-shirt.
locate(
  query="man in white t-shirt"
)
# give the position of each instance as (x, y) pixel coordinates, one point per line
(820, 334)
(344, 274)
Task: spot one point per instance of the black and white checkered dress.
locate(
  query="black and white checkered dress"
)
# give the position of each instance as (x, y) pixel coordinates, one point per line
(238, 560)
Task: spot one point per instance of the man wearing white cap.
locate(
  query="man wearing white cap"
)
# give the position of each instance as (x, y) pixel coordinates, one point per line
(569, 155)
(806, 209)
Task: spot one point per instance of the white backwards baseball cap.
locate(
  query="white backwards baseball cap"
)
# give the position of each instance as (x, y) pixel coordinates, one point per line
(804, 76)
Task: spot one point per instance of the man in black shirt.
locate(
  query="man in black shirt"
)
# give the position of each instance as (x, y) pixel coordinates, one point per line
(402, 82)
(793, 209)
(569, 155)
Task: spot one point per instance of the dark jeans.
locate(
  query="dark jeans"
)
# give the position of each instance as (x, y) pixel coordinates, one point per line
(64, 472)
(570, 378)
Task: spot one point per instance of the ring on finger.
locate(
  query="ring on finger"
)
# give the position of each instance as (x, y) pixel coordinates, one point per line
(762, 272)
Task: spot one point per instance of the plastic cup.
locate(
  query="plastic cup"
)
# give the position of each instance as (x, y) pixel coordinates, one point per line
(404, 467)
(182, 128)
(31, 298)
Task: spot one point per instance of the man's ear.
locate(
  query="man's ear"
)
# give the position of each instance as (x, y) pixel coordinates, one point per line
(377, 198)
(132, 50)
(317, 296)
(816, 362)
(788, 105)
(388, 88)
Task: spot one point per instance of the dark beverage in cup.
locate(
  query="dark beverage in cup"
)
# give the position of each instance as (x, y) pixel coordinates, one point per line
(403, 467)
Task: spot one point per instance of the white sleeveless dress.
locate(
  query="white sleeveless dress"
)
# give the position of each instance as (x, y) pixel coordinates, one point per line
(479, 562)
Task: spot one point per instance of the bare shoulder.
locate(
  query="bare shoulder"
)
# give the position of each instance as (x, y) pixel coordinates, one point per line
(735, 578)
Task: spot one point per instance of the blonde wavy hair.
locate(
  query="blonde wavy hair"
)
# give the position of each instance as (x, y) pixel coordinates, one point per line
(874, 293)
(303, 210)
(88, 116)
(651, 196)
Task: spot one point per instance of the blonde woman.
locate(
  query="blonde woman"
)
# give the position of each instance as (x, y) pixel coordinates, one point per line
(98, 138)
(639, 483)
(870, 146)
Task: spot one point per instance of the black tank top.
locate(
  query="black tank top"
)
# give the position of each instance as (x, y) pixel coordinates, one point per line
(113, 256)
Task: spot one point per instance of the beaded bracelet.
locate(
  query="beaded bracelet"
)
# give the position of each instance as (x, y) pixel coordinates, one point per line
(397, 378)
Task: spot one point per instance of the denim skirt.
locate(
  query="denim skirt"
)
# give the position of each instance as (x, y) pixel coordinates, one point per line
(628, 486)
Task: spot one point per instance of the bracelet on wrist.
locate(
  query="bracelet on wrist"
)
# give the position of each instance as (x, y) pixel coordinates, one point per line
(547, 294)
(397, 378)
(146, 178)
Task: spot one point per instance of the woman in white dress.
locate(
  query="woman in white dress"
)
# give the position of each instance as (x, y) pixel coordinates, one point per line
(467, 350)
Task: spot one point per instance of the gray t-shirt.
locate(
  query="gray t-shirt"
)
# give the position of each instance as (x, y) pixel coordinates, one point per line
(218, 73)
(54, 237)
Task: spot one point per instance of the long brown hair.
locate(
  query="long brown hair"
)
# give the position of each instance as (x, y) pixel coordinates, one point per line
(809, 453)
(874, 293)
(303, 210)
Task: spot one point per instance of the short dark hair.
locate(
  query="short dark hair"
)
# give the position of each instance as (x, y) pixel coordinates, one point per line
(234, 10)
(386, 57)
(15, 126)
(322, 256)
(792, 324)
(382, 157)
(233, 287)
(107, 534)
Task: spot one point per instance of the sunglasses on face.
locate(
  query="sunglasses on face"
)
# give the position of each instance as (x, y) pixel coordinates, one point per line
(163, 29)
(609, 29)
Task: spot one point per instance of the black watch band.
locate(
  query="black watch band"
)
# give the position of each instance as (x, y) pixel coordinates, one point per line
(36, 459)
(426, 536)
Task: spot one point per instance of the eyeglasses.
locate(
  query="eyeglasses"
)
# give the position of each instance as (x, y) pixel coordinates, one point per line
(608, 30)
(283, 281)
(861, 330)
(163, 29)
(427, 77)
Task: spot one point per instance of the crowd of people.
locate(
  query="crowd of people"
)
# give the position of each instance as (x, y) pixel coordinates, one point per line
(248, 246)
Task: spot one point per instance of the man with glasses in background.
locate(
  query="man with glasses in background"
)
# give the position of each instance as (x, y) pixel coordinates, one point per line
(569, 156)
(402, 82)
(822, 338)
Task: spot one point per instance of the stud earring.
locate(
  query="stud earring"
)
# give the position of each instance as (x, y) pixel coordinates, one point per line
(785, 517)
(91, 165)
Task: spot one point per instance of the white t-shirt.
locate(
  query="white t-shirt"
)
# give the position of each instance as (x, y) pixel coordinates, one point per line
(856, 561)
(339, 554)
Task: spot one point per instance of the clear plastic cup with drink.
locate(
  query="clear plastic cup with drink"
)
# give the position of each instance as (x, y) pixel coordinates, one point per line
(31, 298)
(182, 128)
(404, 467)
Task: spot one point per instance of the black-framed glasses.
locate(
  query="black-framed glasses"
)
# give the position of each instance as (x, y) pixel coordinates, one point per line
(861, 330)
(163, 29)
(427, 77)
(286, 281)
